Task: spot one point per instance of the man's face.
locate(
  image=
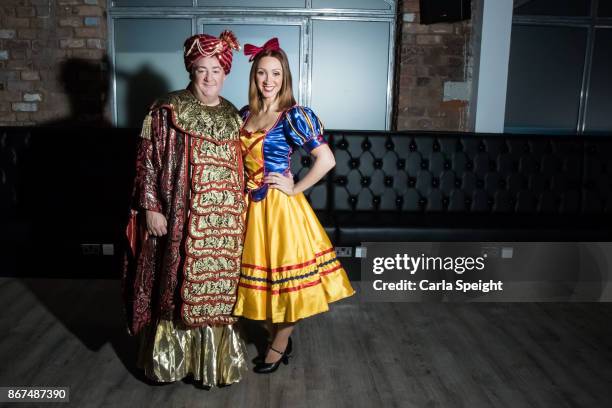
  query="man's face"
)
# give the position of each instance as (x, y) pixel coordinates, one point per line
(208, 76)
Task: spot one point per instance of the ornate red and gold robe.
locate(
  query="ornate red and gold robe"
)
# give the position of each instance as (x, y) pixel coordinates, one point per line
(189, 168)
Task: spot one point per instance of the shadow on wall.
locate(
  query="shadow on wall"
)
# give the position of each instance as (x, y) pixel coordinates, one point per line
(87, 86)
(68, 182)
(142, 89)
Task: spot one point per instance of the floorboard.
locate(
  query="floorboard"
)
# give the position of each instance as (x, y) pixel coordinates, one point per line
(69, 332)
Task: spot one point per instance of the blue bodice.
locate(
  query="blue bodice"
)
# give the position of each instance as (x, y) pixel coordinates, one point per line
(297, 126)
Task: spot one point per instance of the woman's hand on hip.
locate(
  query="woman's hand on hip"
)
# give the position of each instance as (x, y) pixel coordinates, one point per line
(280, 182)
(157, 225)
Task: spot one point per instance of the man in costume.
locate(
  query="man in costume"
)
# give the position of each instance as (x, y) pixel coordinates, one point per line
(186, 228)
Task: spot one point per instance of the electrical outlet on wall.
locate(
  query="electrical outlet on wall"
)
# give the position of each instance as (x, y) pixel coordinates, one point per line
(91, 249)
(490, 251)
(108, 249)
(507, 252)
(361, 252)
(344, 252)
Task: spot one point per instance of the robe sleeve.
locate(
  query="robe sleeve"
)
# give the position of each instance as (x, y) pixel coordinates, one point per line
(148, 161)
(303, 128)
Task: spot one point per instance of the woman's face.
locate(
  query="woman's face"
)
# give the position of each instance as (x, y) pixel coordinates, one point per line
(269, 77)
(208, 76)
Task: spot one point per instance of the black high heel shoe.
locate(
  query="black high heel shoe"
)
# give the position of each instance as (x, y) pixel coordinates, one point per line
(262, 357)
(267, 368)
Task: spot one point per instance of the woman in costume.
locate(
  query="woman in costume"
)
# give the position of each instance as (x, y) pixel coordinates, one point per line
(289, 267)
(181, 278)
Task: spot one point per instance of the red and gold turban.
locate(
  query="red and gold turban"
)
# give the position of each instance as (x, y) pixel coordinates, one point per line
(204, 45)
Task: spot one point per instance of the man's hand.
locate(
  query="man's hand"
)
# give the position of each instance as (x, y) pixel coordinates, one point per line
(156, 224)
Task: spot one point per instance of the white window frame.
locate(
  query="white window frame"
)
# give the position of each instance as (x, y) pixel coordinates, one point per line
(249, 15)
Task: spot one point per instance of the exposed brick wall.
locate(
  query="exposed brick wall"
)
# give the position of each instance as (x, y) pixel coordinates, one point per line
(52, 55)
(429, 56)
(53, 68)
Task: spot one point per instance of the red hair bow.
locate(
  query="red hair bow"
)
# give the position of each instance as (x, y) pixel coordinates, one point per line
(254, 51)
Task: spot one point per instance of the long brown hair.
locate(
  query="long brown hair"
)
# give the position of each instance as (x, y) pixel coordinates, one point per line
(285, 95)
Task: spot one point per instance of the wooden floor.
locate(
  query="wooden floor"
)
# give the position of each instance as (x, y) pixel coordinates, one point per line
(69, 333)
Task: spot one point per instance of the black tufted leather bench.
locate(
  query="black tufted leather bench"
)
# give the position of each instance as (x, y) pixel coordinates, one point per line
(60, 188)
(408, 186)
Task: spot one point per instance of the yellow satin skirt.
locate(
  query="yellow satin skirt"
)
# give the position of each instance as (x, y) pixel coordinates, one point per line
(289, 266)
(213, 355)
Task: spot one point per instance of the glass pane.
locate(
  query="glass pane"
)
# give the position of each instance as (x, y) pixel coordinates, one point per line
(605, 8)
(236, 87)
(552, 7)
(352, 4)
(544, 78)
(152, 3)
(253, 4)
(349, 92)
(148, 64)
(598, 117)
